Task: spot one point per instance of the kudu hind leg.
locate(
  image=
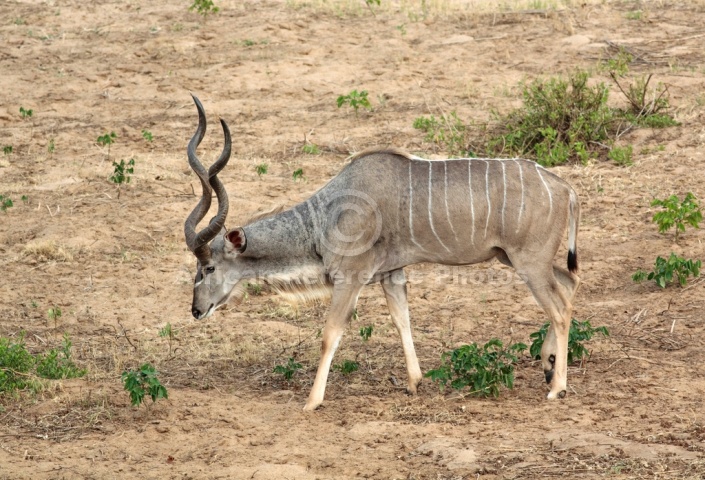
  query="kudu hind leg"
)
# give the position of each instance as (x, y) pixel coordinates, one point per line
(394, 287)
(549, 294)
(341, 308)
(570, 283)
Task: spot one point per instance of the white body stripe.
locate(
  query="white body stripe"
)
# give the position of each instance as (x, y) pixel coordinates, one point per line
(521, 206)
(548, 190)
(299, 217)
(472, 207)
(445, 194)
(487, 192)
(411, 210)
(504, 200)
(314, 217)
(430, 206)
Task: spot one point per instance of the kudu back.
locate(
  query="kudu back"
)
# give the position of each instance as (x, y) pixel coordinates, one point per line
(385, 210)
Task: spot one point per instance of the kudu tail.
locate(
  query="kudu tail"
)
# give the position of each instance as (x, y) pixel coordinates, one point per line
(574, 219)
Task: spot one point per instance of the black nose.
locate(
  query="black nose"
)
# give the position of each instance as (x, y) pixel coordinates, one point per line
(196, 313)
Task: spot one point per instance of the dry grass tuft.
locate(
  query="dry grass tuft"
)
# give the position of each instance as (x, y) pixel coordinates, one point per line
(47, 251)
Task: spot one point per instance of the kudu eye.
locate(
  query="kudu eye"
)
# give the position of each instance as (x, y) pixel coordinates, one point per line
(210, 269)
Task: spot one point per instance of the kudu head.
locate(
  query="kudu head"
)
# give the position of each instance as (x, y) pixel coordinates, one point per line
(215, 248)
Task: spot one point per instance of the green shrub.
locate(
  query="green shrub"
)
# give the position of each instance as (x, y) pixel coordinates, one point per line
(366, 332)
(204, 7)
(5, 203)
(57, 364)
(16, 365)
(677, 214)
(288, 370)
(347, 367)
(448, 133)
(665, 271)
(19, 369)
(311, 149)
(561, 120)
(261, 169)
(143, 382)
(621, 155)
(298, 174)
(482, 369)
(355, 99)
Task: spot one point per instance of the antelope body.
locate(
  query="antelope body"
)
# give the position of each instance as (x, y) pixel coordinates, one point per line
(385, 210)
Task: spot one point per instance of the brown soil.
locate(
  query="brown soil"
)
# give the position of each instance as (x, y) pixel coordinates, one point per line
(119, 270)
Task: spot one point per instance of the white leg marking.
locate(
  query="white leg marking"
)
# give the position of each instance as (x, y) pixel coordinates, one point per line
(445, 193)
(430, 206)
(472, 207)
(550, 197)
(521, 207)
(487, 192)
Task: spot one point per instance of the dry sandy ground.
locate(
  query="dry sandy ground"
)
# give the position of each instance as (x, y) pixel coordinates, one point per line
(119, 269)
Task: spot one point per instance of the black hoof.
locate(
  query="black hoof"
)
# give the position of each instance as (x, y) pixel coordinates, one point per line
(561, 394)
(549, 376)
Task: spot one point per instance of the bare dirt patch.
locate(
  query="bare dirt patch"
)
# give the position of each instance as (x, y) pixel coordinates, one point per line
(119, 269)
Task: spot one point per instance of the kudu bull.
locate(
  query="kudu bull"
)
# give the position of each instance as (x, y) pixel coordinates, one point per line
(385, 210)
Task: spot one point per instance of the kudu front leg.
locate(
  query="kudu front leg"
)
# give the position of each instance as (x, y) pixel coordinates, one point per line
(341, 308)
(394, 287)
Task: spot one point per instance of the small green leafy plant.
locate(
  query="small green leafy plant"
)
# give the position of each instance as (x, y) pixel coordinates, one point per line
(621, 155)
(167, 332)
(579, 332)
(51, 146)
(347, 367)
(203, 7)
(448, 132)
(634, 15)
(57, 364)
(647, 107)
(288, 370)
(254, 289)
(54, 313)
(619, 64)
(7, 149)
(122, 173)
(311, 149)
(147, 135)
(19, 369)
(677, 213)
(298, 174)
(5, 203)
(355, 99)
(26, 113)
(261, 169)
(667, 270)
(16, 364)
(482, 369)
(366, 332)
(143, 382)
(107, 140)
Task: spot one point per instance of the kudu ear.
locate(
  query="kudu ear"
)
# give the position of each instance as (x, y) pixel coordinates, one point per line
(235, 240)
